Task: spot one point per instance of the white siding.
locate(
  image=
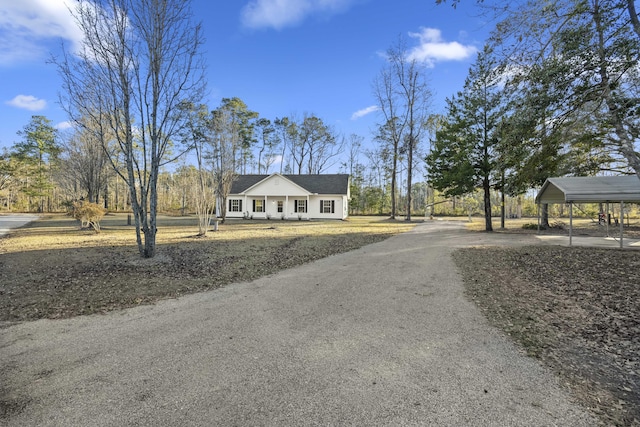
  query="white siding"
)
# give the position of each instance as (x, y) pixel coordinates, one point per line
(339, 204)
(277, 188)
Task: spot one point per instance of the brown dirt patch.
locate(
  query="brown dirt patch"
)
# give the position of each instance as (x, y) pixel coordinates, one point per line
(577, 309)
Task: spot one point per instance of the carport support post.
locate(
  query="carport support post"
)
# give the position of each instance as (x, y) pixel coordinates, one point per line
(570, 223)
(621, 222)
(607, 219)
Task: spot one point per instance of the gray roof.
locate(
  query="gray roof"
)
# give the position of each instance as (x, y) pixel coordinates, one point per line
(592, 189)
(320, 184)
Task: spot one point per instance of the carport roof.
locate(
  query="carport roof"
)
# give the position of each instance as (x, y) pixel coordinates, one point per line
(592, 189)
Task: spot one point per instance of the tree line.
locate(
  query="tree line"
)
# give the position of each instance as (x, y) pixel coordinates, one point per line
(552, 93)
(49, 169)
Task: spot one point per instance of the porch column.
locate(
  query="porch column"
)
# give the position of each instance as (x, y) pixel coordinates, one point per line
(286, 206)
(266, 207)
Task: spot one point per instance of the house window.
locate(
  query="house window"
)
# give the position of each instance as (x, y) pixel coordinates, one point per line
(280, 206)
(235, 205)
(300, 206)
(258, 205)
(327, 206)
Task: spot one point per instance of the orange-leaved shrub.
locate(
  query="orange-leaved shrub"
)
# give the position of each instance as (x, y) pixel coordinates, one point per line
(89, 214)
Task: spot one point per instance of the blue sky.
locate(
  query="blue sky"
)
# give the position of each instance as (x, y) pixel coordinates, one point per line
(281, 57)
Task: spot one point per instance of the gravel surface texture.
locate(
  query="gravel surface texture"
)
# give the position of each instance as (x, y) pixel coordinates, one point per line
(382, 335)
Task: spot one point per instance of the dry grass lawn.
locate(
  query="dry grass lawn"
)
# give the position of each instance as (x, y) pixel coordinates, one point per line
(53, 269)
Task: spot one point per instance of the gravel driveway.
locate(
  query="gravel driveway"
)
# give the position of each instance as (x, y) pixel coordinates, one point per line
(10, 221)
(379, 336)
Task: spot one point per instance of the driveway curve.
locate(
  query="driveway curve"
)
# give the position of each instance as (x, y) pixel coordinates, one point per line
(378, 336)
(10, 221)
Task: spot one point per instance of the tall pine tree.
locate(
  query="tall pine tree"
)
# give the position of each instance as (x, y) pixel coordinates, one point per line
(465, 153)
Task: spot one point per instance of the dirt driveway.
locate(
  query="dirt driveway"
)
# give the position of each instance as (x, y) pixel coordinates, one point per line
(378, 336)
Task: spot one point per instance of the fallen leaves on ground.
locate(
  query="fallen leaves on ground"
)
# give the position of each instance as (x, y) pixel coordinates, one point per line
(577, 309)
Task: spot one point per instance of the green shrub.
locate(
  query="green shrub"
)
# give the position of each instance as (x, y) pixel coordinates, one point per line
(531, 226)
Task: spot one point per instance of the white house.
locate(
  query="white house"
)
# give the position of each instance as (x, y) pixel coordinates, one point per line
(279, 196)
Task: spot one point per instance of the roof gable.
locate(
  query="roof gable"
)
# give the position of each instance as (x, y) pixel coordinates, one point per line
(276, 185)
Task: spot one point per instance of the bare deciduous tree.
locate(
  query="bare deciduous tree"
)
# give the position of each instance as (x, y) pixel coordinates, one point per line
(391, 130)
(85, 163)
(283, 128)
(268, 142)
(200, 178)
(231, 136)
(416, 99)
(138, 62)
(404, 99)
(314, 145)
(6, 170)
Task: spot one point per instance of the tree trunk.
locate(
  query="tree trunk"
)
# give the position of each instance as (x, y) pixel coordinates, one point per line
(409, 173)
(502, 210)
(150, 238)
(633, 15)
(545, 215)
(106, 195)
(138, 215)
(502, 206)
(488, 226)
(393, 186)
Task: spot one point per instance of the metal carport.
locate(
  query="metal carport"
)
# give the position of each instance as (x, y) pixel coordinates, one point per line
(591, 189)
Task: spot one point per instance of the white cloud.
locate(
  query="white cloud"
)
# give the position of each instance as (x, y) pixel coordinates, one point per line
(433, 48)
(276, 160)
(28, 102)
(64, 125)
(26, 26)
(279, 14)
(361, 113)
